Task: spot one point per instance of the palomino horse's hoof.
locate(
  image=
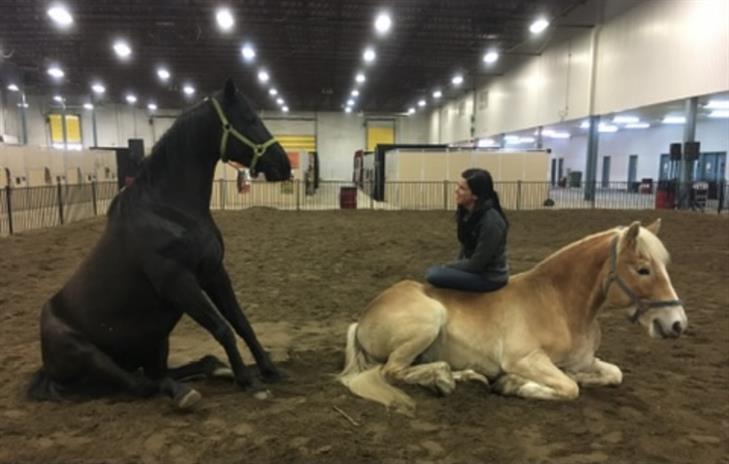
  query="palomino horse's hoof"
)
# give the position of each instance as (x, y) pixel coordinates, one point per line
(187, 399)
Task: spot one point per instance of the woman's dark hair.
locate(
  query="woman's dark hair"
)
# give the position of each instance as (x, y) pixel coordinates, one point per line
(482, 186)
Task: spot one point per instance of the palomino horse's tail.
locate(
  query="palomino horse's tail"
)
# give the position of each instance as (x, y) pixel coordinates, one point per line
(42, 388)
(364, 377)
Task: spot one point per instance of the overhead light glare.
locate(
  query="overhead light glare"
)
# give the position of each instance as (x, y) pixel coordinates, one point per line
(263, 76)
(369, 55)
(491, 57)
(152, 107)
(60, 15)
(626, 119)
(360, 78)
(674, 120)
(539, 25)
(637, 125)
(354, 93)
(718, 105)
(719, 114)
(163, 74)
(122, 49)
(88, 106)
(98, 88)
(188, 89)
(56, 72)
(285, 109)
(383, 23)
(457, 80)
(437, 94)
(13, 88)
(421, 103)
(248, 52)
(225, 19)
(131, 99)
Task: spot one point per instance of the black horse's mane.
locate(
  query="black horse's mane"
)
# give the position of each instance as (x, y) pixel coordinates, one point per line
(169, 147)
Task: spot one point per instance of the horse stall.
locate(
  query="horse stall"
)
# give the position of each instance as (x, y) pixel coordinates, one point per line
(423, 178)
(50, 186)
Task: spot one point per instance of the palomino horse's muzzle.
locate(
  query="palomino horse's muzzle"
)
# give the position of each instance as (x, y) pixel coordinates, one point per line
(641, 305)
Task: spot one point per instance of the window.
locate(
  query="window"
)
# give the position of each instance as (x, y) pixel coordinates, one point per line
(73, 131)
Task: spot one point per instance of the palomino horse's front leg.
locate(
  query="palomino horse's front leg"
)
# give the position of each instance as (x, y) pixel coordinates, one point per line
(599, 373)
(535, 376)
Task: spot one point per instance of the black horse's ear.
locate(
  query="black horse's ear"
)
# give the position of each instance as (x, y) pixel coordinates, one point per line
(229, 92)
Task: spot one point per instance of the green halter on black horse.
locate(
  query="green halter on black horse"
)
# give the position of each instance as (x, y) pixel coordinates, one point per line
(161, 256)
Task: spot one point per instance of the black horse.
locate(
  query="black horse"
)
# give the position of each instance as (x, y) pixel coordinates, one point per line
(161, 256)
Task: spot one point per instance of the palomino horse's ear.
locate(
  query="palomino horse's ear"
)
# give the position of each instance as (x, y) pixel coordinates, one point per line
(631, 235)
(655, 226)
(229, 92)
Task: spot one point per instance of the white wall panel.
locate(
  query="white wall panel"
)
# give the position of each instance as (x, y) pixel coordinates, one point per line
(663, 50)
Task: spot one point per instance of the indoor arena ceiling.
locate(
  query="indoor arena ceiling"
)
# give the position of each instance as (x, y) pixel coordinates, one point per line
(312, 49)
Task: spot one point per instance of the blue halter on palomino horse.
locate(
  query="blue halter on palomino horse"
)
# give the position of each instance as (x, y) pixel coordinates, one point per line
(161, 256)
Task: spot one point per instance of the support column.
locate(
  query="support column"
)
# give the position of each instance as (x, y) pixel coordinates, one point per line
(686, 165)
(591, 165)
(540, 138)
(23, 119)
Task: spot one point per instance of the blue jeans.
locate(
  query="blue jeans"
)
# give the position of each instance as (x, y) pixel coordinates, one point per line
(448, 277)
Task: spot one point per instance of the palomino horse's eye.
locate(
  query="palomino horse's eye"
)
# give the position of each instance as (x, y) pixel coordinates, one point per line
(644, 271)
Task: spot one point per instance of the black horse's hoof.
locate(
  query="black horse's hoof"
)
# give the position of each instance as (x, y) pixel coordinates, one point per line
(272, 375)
(186, 399)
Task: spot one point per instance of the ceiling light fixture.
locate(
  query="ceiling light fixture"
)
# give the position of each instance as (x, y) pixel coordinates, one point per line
(491, 57)
(56, 72)
(285, 109)
(13, 88)
(188, 89)
(539, 25)
(163, 74)
(122, 49)
(421, 103)
(248, 52)
(360, 78)
(98, 88)
(437, 94)
(354, 93)
(369, 55)
(272, 92)
(60, 15)
(152, 107)
(383, 22)
(131, 99)
(457, 80)
(263, 76)
(88, 106)
(225, 19)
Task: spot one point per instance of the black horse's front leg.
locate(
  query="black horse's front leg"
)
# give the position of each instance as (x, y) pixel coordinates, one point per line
(181, 289)
(220, 291)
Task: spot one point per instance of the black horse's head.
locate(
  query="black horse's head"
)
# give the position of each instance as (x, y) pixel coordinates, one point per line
(245, 140)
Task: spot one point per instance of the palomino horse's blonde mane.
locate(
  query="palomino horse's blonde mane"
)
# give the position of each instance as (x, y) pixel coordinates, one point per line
(648, 245)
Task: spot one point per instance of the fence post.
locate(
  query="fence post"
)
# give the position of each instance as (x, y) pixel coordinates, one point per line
(445, 195)
(372, 198)
(8, 192)
(60, 202)
(222, 194)
(518, 195)
(594, 194)
(93, 197)
(297, 187)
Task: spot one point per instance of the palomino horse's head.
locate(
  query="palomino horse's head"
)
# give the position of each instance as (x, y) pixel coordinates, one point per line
(244, 138)
(638, 280)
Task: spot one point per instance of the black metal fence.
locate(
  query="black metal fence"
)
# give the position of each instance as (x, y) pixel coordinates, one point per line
(29, 208)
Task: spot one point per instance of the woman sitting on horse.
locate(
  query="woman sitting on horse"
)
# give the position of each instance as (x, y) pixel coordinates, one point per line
(482, 231)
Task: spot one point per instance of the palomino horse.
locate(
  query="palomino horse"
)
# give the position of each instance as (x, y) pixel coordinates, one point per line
(161, 256)
(535, 338)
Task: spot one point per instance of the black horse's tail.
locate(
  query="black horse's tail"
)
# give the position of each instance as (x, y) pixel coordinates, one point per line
(42, 388)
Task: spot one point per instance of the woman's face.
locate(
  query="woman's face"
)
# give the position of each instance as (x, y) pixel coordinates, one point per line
(464, 196)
